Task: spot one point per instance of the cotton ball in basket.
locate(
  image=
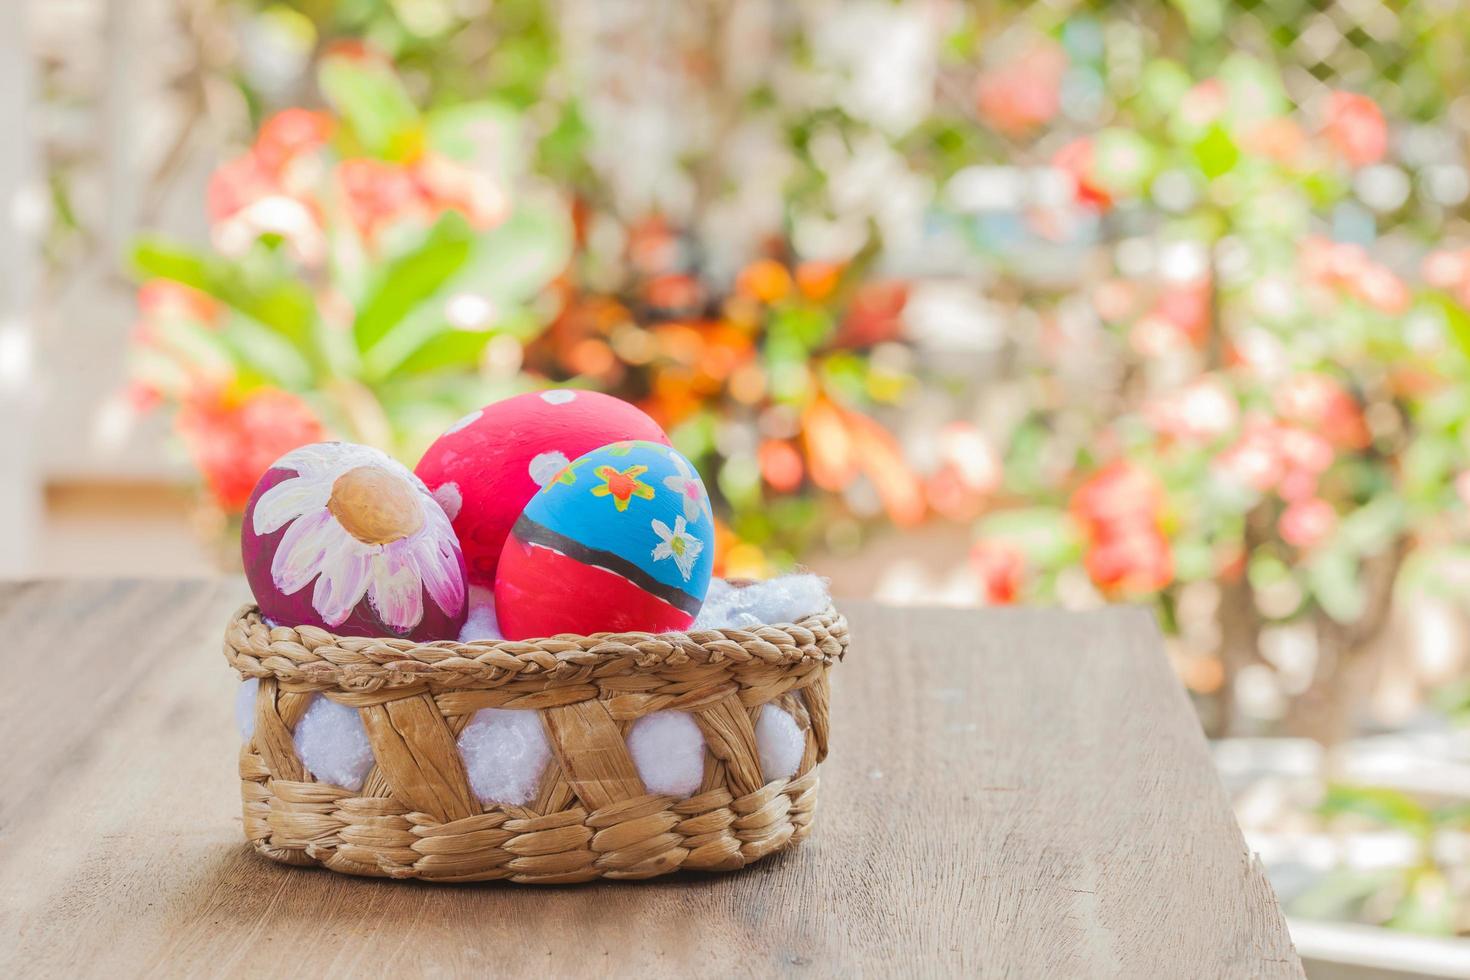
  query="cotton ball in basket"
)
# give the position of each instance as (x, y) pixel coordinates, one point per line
(504, 752)
(490, 463)
(621, 540)
(333, 744)
(245, 707)
(780, 741)
(668, 749)
(341, 536)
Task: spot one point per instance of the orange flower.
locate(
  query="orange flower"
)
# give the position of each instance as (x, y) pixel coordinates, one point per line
(780, 465)
(818, 280)
(829, 448)
(765, 280)
(882, 461)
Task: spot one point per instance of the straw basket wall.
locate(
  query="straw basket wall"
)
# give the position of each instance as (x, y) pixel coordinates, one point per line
(416, 817)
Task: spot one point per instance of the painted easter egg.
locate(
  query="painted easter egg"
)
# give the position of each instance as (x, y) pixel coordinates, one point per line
(490, 463)
(343, 537)
(621, 539)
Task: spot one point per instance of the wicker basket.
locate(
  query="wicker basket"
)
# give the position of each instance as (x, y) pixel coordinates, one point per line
(415, 815)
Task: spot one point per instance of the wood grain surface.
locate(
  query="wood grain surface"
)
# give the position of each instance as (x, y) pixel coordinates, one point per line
(1018, 793)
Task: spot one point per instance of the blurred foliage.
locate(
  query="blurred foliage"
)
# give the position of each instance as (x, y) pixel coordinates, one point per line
(1150, 295)
(374, 272)
(1425, 896)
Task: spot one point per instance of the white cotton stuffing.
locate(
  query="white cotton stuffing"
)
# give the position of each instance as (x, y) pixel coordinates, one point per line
(781, 743)
(786, 599)
(245, 707)
(504, 752)
(333, 744)
(481, 623)
(668, 749)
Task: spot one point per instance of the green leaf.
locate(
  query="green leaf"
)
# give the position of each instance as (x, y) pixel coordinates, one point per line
(1124, 160)
(1216, 153)
(266, 353)
(157, 258)
(488, 133)
(508, 266)
(1339, 894)
(1333, 577)
(255, 290)
(1456, 318)
(370, 97)
(409, 280)
(1371, 528)
(1428, 908)
(515, 260)
(1046, 536)
(1390, 807)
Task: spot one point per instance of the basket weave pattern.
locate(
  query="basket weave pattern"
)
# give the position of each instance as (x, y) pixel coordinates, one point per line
(415, 815)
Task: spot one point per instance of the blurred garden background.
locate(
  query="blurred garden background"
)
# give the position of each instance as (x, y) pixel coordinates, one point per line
(990, 303)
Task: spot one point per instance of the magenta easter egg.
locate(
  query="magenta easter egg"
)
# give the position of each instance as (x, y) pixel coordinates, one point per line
(620, 540)
(343, 537)
(491, 462)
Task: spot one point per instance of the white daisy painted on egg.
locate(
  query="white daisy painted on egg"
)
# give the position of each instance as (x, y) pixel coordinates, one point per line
(677, 544)
(689, 487)
(360, 524)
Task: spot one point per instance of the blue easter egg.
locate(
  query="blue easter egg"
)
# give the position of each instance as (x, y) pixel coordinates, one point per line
(621, 539)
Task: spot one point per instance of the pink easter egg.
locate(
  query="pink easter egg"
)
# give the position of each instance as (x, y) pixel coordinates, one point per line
(490, 463)
(343, 537)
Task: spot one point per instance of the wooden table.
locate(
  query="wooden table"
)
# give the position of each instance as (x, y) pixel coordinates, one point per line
(1009, 793)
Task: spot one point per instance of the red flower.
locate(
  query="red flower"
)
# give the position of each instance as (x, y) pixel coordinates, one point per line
(1201, 411)
(1204, 103)
(289, 135)
(1252, 461)
(1078, 161)
(1025, 92)
(164, 297)
(1120, 509)
(876, 314)
(1135, 562)
(235, 439)
(1002, 569)
(234, 185)
(1319, 402)
(446, 184)
(1307, 523)
(1356, 129)
(1447, 269)
(1122, 494)
(378, 193)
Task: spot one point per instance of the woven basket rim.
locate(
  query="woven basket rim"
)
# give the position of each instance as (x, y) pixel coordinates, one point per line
(318, 657)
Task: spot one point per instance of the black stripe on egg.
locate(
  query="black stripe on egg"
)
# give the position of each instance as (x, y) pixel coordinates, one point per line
(534, 533)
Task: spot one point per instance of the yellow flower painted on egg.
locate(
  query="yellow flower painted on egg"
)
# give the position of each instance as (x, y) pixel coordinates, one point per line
(622, 485)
